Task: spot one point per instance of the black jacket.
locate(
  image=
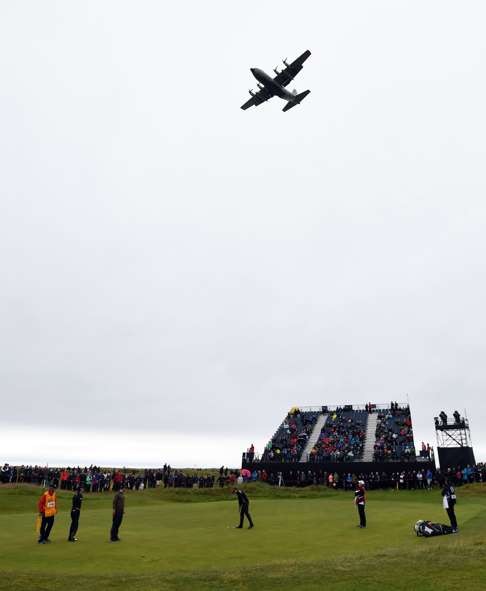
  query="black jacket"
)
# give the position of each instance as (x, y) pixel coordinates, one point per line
(119, 502)
(242, 498)
(77, 502)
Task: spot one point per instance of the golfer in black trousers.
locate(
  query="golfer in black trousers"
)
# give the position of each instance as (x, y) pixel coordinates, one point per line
(449, 503)
(244, 504)
(75, 512)
(118, 511)
(360, 502)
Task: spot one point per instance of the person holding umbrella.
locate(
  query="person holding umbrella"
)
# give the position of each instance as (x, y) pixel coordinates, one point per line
(245, 473)
(244, 504)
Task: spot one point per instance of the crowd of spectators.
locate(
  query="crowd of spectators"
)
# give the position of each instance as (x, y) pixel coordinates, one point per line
(92, 478)
(98, 480)
(394, 435)
(424, 479)
(171, 478)
(289, 441)
(426, 451)
(466, 475)
(410, 479)
(342, 437)
(179, 479)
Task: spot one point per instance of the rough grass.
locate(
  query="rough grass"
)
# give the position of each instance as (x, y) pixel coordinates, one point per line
(304, 539)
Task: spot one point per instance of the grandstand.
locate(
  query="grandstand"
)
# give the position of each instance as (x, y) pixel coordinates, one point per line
(356, 438)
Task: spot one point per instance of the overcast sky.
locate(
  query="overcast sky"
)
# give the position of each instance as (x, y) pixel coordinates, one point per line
(177, 272)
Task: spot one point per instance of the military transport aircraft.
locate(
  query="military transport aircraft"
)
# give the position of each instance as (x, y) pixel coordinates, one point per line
(269, 87)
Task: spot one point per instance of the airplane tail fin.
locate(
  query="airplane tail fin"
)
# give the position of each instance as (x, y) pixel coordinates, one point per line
(296, 100)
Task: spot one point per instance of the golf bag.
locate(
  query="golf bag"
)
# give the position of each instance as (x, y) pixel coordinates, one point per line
(427, 529)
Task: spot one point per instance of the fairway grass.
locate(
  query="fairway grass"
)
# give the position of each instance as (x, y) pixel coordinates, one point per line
(303, 539)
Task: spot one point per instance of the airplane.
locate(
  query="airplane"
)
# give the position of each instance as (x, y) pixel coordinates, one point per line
(269, 87)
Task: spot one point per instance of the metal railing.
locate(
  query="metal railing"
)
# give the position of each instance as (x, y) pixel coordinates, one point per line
(365, 407)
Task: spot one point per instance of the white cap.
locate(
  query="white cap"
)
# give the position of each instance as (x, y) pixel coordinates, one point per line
(361, 482)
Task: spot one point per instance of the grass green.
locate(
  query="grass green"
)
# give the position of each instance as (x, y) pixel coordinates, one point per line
(304, 539)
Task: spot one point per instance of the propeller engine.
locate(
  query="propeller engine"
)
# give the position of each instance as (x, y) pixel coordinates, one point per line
(285, 62)
(251, 92)
(276, 70)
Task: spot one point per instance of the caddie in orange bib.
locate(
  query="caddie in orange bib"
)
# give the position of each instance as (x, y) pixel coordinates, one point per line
(47, 509)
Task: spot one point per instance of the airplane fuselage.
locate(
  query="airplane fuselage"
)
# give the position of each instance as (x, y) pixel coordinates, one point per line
(270, 83)
(269, 86)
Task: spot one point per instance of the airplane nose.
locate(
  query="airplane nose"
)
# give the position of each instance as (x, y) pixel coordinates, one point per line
(252, 70)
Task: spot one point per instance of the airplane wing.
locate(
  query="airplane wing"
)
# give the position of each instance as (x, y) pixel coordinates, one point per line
(258, 98)
(286, 76)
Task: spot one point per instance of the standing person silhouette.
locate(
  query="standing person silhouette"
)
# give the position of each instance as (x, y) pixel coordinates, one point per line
(75, 512)
(449, 503)
(118, 511)
(244, 504)
(360, 502)
(47, 506)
